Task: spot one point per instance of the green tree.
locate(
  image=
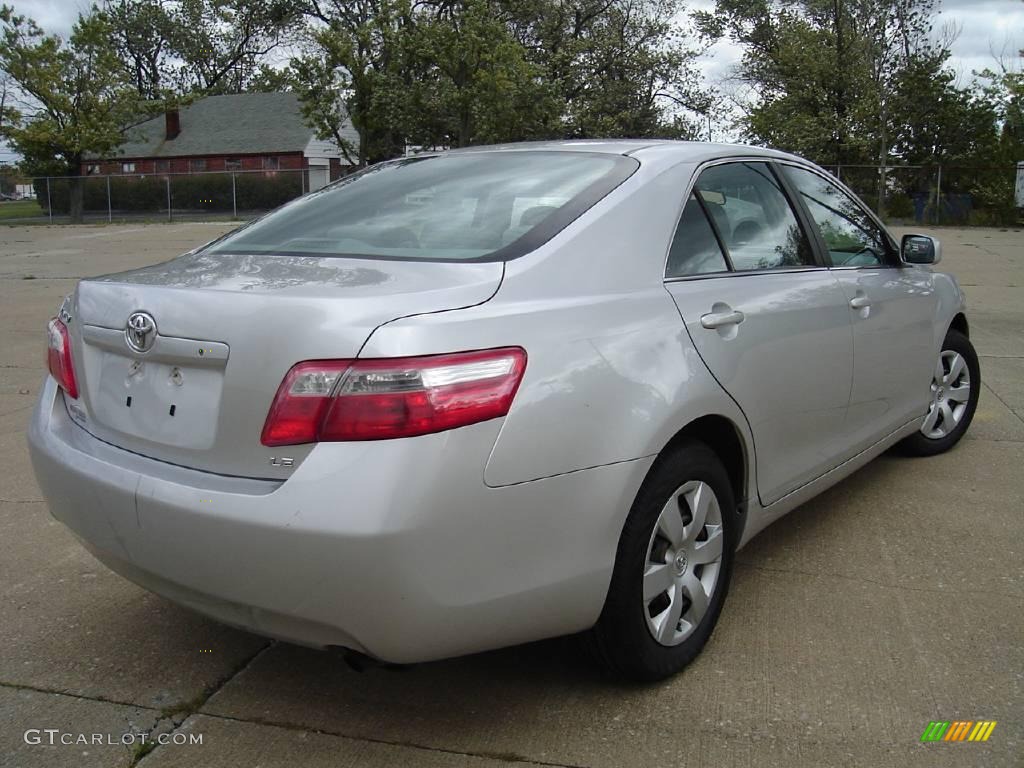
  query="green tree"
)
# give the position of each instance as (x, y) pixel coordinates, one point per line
(473, 83)
(141, 33)
(74, 96)
(458, 72)
(356, 68)
(198, 46)
(933, 121)
(220, 45)
(1004, 91)
(619, 68)
(825, 72)
(268, 79)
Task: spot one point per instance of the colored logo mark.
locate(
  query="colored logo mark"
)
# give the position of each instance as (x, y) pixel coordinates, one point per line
(958, 730)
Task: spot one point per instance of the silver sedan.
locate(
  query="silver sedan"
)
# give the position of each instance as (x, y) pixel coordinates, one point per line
(461, 401)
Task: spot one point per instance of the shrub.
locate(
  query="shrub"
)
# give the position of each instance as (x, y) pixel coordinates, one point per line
(199, 192)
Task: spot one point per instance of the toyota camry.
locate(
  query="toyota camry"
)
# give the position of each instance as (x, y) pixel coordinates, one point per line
(464, 400)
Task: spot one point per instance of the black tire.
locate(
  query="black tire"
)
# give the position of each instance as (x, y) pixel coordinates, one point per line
(919, 444)
(621, 641)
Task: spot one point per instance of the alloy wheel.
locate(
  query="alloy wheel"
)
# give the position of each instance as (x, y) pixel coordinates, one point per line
(950, 395)
(684, 559)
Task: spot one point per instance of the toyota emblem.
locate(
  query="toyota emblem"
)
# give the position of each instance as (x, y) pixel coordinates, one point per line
(140, 331)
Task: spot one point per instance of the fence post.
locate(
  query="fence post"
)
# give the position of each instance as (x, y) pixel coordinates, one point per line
(167, 180)
(234, 198)
(49, 205)
(881, 191)
(110, 215)
(938, 197)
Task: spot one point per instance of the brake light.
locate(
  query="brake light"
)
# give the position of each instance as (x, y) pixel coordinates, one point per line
(58, 357)
(343, 400)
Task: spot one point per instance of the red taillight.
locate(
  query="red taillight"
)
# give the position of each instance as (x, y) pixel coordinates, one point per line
(58, 357)
(340, 400)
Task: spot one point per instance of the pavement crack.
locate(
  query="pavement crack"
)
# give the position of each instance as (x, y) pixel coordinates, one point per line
(176, 714)
(1005, 404)
(71, 695)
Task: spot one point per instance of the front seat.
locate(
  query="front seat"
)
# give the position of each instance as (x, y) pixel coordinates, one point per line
(746, 232)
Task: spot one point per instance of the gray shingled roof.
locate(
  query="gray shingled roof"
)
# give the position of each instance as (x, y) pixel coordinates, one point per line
(242, 123)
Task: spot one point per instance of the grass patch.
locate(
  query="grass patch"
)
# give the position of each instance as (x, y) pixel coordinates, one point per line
(19, 209)
(184, 708)
(141, 750)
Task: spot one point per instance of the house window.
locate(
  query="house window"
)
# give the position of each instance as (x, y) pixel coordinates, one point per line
(127, 167)
(232, 164)
(163, 166)
(92, 170)
(271, 163)
(197, 164)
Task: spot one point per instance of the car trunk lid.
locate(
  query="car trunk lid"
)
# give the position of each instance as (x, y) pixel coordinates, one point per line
(227, 329)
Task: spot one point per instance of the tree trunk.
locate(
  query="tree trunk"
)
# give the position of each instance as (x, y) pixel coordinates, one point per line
(76, 189)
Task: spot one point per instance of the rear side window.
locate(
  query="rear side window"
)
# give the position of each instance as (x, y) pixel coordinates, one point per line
(473, 206)
(695, 250)
(753, 218)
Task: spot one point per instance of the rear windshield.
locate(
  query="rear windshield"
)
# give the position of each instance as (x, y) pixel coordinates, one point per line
(476, 206)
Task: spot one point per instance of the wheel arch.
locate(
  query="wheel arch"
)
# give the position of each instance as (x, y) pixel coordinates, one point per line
(724, 437)
(959, 323)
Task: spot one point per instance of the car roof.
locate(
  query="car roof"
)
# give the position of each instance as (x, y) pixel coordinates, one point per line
(648, 150)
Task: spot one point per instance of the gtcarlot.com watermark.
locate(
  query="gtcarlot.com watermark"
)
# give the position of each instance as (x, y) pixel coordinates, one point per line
(57, 737)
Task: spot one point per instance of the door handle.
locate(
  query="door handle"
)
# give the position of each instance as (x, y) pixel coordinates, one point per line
(721, 319)
(860, 302)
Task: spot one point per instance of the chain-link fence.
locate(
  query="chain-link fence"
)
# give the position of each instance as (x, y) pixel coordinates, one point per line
(936, 194)
(171, 196)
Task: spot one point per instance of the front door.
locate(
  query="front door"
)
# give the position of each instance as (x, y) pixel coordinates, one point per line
(770, 323)
(892, 307)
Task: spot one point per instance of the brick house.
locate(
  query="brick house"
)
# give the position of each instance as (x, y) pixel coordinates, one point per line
(235, 132)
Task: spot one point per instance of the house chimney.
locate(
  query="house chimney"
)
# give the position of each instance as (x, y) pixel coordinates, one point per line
(173, 123)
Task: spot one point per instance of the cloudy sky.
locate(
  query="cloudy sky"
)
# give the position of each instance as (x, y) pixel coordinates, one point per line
(983, 27)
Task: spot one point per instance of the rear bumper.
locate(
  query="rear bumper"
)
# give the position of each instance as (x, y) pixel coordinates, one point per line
(395, 548)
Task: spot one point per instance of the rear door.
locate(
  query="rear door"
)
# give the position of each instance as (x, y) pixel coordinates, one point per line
(771, 323)
(891, 306)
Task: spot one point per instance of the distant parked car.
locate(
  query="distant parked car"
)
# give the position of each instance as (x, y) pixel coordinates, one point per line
(466, 400)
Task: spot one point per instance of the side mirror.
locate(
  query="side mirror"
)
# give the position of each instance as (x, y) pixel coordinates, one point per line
(920, 249)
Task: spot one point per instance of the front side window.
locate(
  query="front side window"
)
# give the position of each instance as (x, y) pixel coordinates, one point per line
(463, 206)
(127, 167)
(695, 249)
(271, 163)
(197, 164)
(753, 218)
(851, 236)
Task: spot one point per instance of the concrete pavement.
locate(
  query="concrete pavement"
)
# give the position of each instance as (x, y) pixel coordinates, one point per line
(894, 599)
